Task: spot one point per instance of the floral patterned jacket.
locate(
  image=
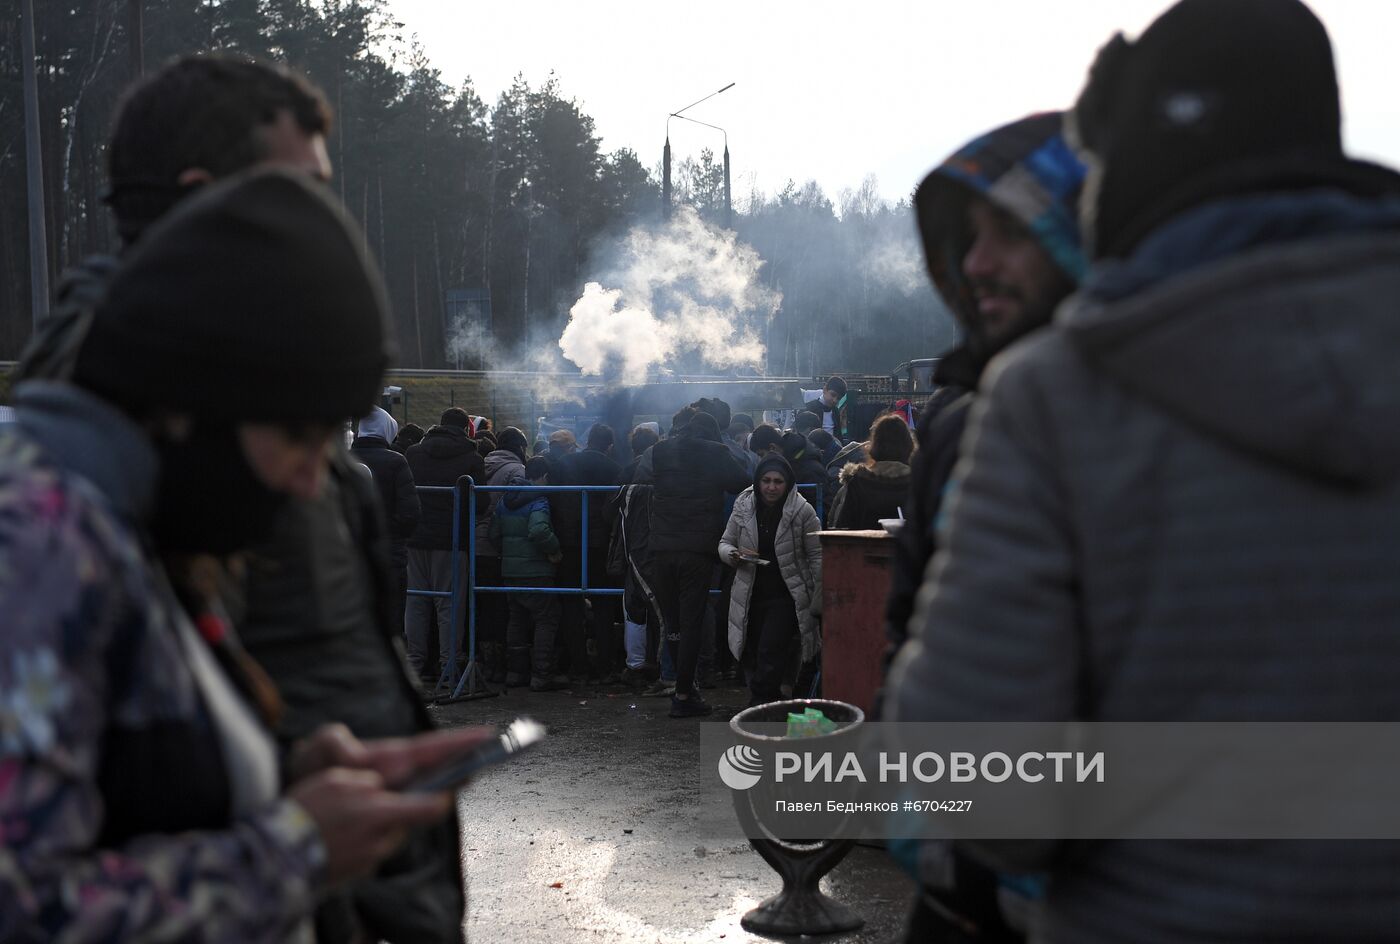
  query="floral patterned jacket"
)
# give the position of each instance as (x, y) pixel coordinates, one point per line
(112, 826)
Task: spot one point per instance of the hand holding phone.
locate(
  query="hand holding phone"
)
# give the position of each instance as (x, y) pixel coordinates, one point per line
(522, 734)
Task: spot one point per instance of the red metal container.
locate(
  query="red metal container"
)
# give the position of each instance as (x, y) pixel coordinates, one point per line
(856, 575)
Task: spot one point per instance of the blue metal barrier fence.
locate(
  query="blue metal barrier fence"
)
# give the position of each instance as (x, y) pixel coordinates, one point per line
(472, 681)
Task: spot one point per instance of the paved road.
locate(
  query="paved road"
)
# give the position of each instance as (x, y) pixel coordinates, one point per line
(600, 811)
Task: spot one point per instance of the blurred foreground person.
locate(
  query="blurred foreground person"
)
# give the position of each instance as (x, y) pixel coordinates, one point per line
(1001, 239)
(1182, 502)
(142, 798)
(198, 119)
(314, 606)
(773, 605)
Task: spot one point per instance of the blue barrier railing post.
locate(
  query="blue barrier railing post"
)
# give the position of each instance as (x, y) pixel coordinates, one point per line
(472, 681)
(583, 539)
(449, 671)
(471, 561)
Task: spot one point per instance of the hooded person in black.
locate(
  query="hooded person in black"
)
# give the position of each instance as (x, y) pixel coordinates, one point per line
(393, 479)
(444, 455)
(594, 465)
(691, 472)
(806, 464)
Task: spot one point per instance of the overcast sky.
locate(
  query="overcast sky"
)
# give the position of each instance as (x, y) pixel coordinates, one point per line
(834, 91)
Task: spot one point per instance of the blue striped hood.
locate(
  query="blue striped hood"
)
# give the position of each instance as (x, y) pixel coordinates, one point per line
(1027, 169)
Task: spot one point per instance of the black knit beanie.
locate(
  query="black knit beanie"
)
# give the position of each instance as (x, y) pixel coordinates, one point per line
(250, 302)
(1215, 97)
(513, 440)
(795, 446)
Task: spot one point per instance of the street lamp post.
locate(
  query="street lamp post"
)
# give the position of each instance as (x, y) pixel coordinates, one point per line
(666, 157)
(728, 207)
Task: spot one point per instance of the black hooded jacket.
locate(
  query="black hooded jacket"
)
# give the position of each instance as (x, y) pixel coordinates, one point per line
(394, 481)
(589, 467)
(806, 464)
(444, 455)
(691, 471)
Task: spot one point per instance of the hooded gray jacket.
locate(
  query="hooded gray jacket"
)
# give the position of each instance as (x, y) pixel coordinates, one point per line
(1182, 503)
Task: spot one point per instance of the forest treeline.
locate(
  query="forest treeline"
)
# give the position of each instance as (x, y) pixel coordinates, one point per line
(460, 198)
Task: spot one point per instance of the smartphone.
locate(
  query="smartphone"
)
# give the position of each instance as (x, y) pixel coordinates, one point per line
(754, 559)
(521, 735)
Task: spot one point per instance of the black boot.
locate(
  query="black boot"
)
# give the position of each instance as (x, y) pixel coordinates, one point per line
(518, 666)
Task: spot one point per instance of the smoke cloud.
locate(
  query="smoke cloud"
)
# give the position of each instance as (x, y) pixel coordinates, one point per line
(898, 265)
(684, 295)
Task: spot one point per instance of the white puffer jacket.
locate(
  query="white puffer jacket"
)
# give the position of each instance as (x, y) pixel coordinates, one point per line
(799, 553)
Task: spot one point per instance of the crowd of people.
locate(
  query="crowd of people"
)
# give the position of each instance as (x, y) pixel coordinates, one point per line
(674, 536)
(1157, 482)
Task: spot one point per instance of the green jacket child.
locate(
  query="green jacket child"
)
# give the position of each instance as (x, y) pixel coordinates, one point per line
(529, 546)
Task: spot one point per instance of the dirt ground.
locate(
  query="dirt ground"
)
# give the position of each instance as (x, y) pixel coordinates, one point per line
(587, 837)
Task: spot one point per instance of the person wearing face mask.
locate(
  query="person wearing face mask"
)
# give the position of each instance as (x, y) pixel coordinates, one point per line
(144, 796)
(771, 542)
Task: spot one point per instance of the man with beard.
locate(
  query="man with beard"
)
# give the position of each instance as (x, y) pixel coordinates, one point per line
(1001, 240)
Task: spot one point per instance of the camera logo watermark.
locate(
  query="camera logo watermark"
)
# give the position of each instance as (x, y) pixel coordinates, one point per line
(740, 767)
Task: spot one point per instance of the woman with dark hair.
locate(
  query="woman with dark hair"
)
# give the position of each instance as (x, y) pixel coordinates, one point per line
(878, 487)
(771, 542)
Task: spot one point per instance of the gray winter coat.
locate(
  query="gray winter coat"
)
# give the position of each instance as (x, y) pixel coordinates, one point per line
(799, 552)
(1182, 503)
(503, 467)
